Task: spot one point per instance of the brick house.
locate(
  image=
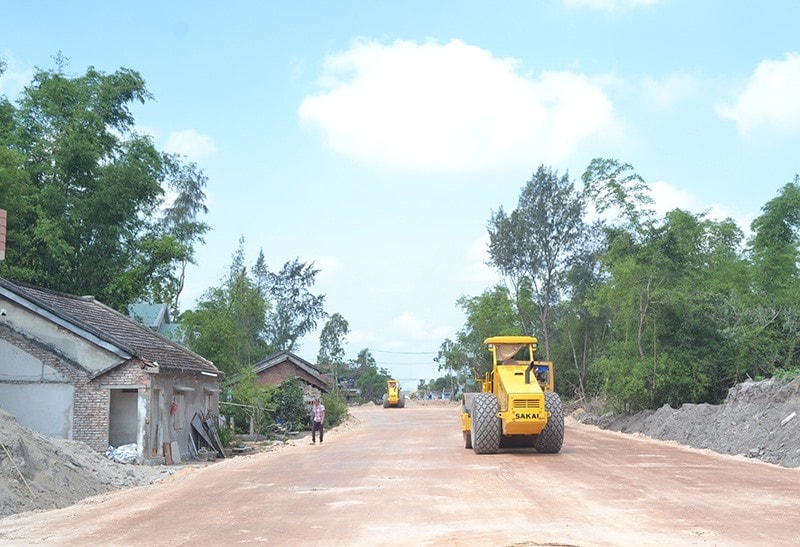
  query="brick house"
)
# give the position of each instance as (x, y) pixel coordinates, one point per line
(280, 366)
(73, 368)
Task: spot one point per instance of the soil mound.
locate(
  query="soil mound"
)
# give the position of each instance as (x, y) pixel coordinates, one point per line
(43, 473)
(757, 420)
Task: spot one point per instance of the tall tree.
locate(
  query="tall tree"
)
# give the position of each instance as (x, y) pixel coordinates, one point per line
(228, 323)
(331, 346)
(614, 187)
(295, 310)
(534, 242)
(181, 223)
(84, 222)
(774, 316)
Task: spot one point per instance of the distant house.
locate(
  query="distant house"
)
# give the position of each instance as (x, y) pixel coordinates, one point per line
(277, 368)
(156, 317)
(73, 368)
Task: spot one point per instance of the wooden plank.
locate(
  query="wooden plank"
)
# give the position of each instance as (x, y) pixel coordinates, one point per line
(167, 453)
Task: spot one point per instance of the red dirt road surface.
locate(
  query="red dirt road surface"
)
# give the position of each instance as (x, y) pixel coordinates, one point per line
(402, 476)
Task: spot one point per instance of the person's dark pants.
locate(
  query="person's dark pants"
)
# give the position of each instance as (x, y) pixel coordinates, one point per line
(316, 426)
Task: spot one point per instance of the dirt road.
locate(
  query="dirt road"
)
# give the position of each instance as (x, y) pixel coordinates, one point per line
(402, 476)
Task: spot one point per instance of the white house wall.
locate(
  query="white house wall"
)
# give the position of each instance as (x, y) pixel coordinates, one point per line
(91, 357)
(39, 396)
(46, 408)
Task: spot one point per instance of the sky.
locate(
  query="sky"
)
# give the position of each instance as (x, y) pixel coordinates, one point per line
(375, 139)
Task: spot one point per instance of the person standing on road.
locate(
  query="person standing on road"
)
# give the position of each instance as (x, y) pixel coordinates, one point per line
(317, 421)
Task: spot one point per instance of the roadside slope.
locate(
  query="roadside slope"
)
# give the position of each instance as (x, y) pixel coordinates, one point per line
(757, 420)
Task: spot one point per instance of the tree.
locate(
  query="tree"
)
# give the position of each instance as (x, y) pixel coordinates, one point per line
(489, 314)
(228, 324)
(774, 246)
(291, 406)
(331, 346)
(771, 322)
(180, 220)
(370, 380)
(534, 242)
(612, 186)
(295, 310)
(83, 221)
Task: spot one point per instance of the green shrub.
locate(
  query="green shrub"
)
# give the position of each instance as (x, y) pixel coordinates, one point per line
(291, 407)
(225, 435)
(335, 409)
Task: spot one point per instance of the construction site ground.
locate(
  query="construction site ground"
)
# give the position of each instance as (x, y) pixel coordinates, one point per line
(402, 476)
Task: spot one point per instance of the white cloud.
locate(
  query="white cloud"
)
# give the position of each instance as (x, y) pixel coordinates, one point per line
(670, 90)
(451, 108)
(610, 5)
(190, 143)
(770, 98)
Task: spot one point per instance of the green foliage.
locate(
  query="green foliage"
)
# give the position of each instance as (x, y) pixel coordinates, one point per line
(226, 434)
(335, 409)
(259, 400)
(370, 380)
(331, 347)
(531, 247)
(290, 404)
(626, 383)
(647, 311)
(295, 310)
(81, 187)
(228, 324)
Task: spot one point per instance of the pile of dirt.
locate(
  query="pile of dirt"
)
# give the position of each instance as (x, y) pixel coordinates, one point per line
(39, 472)
(757, 420)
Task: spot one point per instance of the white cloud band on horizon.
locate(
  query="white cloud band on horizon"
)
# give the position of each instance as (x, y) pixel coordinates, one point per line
(451, 108)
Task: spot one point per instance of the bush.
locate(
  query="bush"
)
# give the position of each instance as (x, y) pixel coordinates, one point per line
(335, 409)
(291, 406)
(225, 435)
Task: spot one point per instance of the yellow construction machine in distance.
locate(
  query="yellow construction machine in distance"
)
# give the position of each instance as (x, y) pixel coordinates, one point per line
(393, 396)
(516, 406)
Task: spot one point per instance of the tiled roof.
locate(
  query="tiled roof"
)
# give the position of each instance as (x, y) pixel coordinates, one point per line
(118, 329)
(299, 362)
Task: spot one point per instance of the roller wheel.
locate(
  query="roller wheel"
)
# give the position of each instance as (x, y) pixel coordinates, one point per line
(401, 402)
(551, 438)
(385, 401)
(485, 432)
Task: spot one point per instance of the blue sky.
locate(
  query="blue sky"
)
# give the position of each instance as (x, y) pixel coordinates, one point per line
(376, 138)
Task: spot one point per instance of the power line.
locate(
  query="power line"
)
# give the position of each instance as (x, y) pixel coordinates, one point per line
(406, 364)
(403, 352)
